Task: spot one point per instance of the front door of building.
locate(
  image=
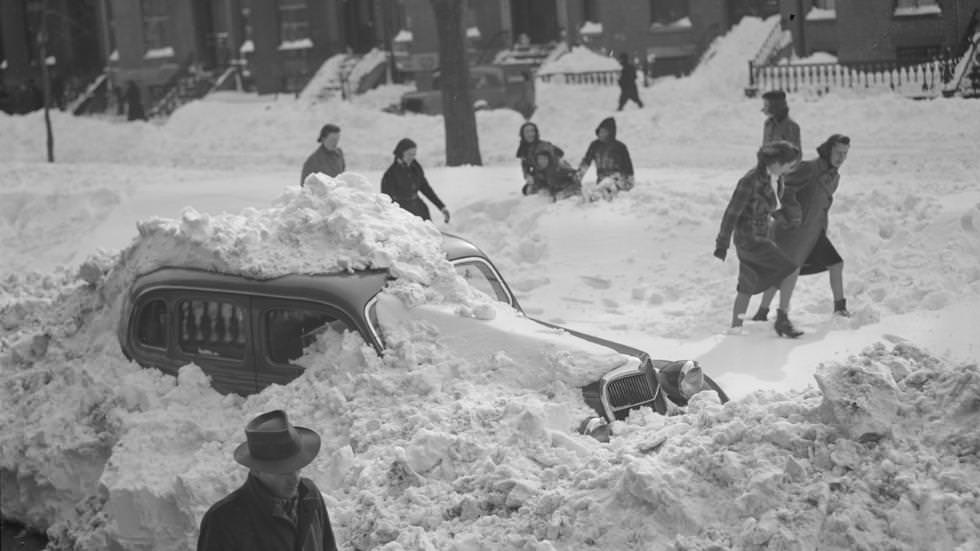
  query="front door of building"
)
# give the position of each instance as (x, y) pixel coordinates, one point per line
(538, 19)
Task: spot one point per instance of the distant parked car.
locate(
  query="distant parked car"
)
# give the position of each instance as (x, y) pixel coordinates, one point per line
(491, 87)
(247, 334)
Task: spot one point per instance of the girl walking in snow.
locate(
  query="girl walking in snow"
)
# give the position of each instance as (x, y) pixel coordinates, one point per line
(614, 167)
(762, 264)
(807, 197)
(404, 180)
(528, 148)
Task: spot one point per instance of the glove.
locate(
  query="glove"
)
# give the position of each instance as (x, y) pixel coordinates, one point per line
(721, 253)
(445, 214)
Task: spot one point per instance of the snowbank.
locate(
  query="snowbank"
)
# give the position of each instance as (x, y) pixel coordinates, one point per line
(579, 60)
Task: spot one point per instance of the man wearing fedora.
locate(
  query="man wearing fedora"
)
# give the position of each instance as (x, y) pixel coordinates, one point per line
(275, 509)
(328, 158)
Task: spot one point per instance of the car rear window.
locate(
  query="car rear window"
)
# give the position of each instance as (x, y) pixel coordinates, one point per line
(213, 328)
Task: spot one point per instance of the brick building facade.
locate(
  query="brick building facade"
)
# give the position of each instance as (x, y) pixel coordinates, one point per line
(884, 30)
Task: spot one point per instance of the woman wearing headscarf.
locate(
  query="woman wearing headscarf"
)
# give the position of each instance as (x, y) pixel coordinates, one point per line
(807, 197)
(527, 151)
(762, 264)
(405, 179)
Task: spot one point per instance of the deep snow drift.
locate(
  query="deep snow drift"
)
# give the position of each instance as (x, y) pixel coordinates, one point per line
(425, 448)
(443, 445)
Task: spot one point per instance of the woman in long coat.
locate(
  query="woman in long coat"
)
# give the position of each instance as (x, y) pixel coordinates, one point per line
(405, 179)
(762, 264)
(807, 197)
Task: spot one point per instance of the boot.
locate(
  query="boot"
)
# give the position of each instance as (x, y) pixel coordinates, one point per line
(840, 308)
(784, 327)
(761, 315)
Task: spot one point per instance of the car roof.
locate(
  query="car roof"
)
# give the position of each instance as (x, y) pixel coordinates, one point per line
(357, 287)
(456, 247)
(345, 290)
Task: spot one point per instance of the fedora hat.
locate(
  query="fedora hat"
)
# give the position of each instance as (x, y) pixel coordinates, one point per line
(273, 445)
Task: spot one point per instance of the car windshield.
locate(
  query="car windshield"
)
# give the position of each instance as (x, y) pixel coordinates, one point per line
(481, 276)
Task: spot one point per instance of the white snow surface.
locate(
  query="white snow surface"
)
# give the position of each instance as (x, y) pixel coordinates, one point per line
(461, 437)
(579, 60)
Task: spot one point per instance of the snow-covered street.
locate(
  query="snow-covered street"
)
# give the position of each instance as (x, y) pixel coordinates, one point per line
(102, 452)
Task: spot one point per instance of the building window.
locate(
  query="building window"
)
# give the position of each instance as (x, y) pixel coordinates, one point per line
(669, 13)
(822, 10)
(156, 25)
(917, 7)
(294, 23)
(590, 11)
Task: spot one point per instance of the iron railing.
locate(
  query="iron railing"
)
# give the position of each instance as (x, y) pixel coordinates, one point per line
(922, 79)
(602, 78)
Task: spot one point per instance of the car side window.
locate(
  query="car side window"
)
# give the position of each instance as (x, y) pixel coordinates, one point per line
(151, 324)
(482, 278)
(213, 328)
(289, 330)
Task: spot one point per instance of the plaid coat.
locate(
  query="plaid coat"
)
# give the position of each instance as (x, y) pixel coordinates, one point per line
(749, 210)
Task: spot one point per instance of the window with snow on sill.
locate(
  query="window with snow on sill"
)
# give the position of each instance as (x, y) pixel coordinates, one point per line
(821, 14)
(682, 23)
(301, 44)
(913, 11)
(590, 27)
(159, 53)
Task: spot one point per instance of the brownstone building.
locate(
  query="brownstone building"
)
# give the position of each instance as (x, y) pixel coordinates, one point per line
(882, 30)
(672, 32)
(72, 47)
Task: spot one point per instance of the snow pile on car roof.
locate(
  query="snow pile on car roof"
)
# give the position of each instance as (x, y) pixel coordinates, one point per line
(331, 225)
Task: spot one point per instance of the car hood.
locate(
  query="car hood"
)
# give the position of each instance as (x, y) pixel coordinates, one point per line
(618, 347)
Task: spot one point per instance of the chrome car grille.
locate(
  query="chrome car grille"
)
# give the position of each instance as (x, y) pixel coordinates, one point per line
(629, 391)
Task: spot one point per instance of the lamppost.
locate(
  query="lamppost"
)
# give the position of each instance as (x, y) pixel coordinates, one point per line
(42, 45)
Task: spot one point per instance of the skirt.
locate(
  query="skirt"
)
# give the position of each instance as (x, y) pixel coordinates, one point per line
(821, 257)
(761, 265)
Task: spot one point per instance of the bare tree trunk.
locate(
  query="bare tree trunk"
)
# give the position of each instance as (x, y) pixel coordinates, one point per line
(462, 142)
(42, 40)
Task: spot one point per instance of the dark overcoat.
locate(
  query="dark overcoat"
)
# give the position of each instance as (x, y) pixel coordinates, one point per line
(806, 199)
(403, 183)
(248, 519)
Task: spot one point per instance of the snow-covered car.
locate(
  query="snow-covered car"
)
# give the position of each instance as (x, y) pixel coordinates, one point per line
(247, 334)
(491, 87)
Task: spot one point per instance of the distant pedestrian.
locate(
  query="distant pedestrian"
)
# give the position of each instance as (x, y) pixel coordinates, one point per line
(627, 82)
(275, 510)
(802, 231)
(553, 176)
(778, 125)
(762, 264)
(134, 103)
(328, 158)
(528, 148)
(405, 179)
(614, 167)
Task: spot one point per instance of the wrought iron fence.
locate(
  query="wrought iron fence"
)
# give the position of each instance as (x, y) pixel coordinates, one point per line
(922, 79)
(602, 78)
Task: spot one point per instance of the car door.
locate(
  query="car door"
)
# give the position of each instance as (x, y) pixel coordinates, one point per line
(213, 330)
(285, 328)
